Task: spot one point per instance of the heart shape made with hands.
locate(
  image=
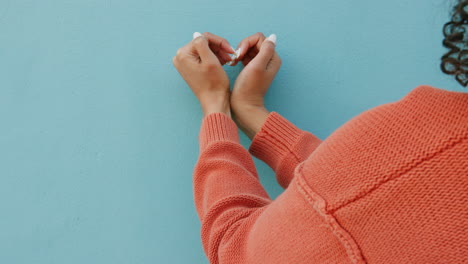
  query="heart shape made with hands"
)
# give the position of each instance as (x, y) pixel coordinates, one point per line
(237, 52)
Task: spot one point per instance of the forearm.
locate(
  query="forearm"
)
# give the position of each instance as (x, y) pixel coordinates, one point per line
(226, 184)
(224, 170)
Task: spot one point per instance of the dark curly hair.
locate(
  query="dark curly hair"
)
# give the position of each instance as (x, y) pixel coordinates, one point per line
(455, 61)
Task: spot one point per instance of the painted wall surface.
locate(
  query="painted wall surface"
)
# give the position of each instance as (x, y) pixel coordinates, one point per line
(98, 132)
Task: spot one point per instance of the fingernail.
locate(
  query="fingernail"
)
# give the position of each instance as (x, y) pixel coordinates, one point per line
(196, 35)
(238, 52)
(233, 48)
(272, 38)
(230, 63)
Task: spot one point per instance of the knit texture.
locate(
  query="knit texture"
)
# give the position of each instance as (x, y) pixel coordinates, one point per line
(389, 186)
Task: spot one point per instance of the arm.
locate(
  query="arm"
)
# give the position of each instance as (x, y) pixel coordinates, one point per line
(240, 224)
(226, 185)
(276, 141)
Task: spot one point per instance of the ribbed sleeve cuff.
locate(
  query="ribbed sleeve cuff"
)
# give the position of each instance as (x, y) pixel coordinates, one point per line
(275, 139)
(217, 127)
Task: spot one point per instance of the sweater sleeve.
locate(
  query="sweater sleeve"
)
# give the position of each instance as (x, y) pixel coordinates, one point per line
(226, 184)
(282, 146)
(239, 222)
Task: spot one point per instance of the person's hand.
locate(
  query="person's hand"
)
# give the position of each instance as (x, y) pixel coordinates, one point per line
(261, 63)
(200, 64)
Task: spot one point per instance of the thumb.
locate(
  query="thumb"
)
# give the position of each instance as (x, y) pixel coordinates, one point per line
(266, 53)
(201, 46)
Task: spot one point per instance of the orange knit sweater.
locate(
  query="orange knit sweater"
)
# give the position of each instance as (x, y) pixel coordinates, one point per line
(389, 186)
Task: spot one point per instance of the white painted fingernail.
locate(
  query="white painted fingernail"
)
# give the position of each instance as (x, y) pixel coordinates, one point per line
(230, 63)
(196, 35)
(238, 52)
(233, 48)
(272, 38)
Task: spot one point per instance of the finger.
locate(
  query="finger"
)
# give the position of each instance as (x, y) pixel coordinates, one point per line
(222, 56)
(200, 46)
(219, 46)
(218, 42)
(246, 60)
(266, 53)
(249, 56)
(248, 43)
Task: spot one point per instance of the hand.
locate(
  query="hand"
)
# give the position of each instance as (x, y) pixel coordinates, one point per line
(261, 63)
(200, 64)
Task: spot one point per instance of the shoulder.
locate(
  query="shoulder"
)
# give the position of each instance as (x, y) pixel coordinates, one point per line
(377, 144)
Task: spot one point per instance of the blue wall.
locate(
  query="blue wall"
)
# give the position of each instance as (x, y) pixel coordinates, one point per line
(99, 133)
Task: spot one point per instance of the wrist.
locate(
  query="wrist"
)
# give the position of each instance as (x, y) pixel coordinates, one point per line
(216, 104)
(250, 118)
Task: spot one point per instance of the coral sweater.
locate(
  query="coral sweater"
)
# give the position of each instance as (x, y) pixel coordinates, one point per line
(389, 186)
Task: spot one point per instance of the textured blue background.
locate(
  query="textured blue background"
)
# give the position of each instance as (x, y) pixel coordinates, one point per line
(99, 133)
